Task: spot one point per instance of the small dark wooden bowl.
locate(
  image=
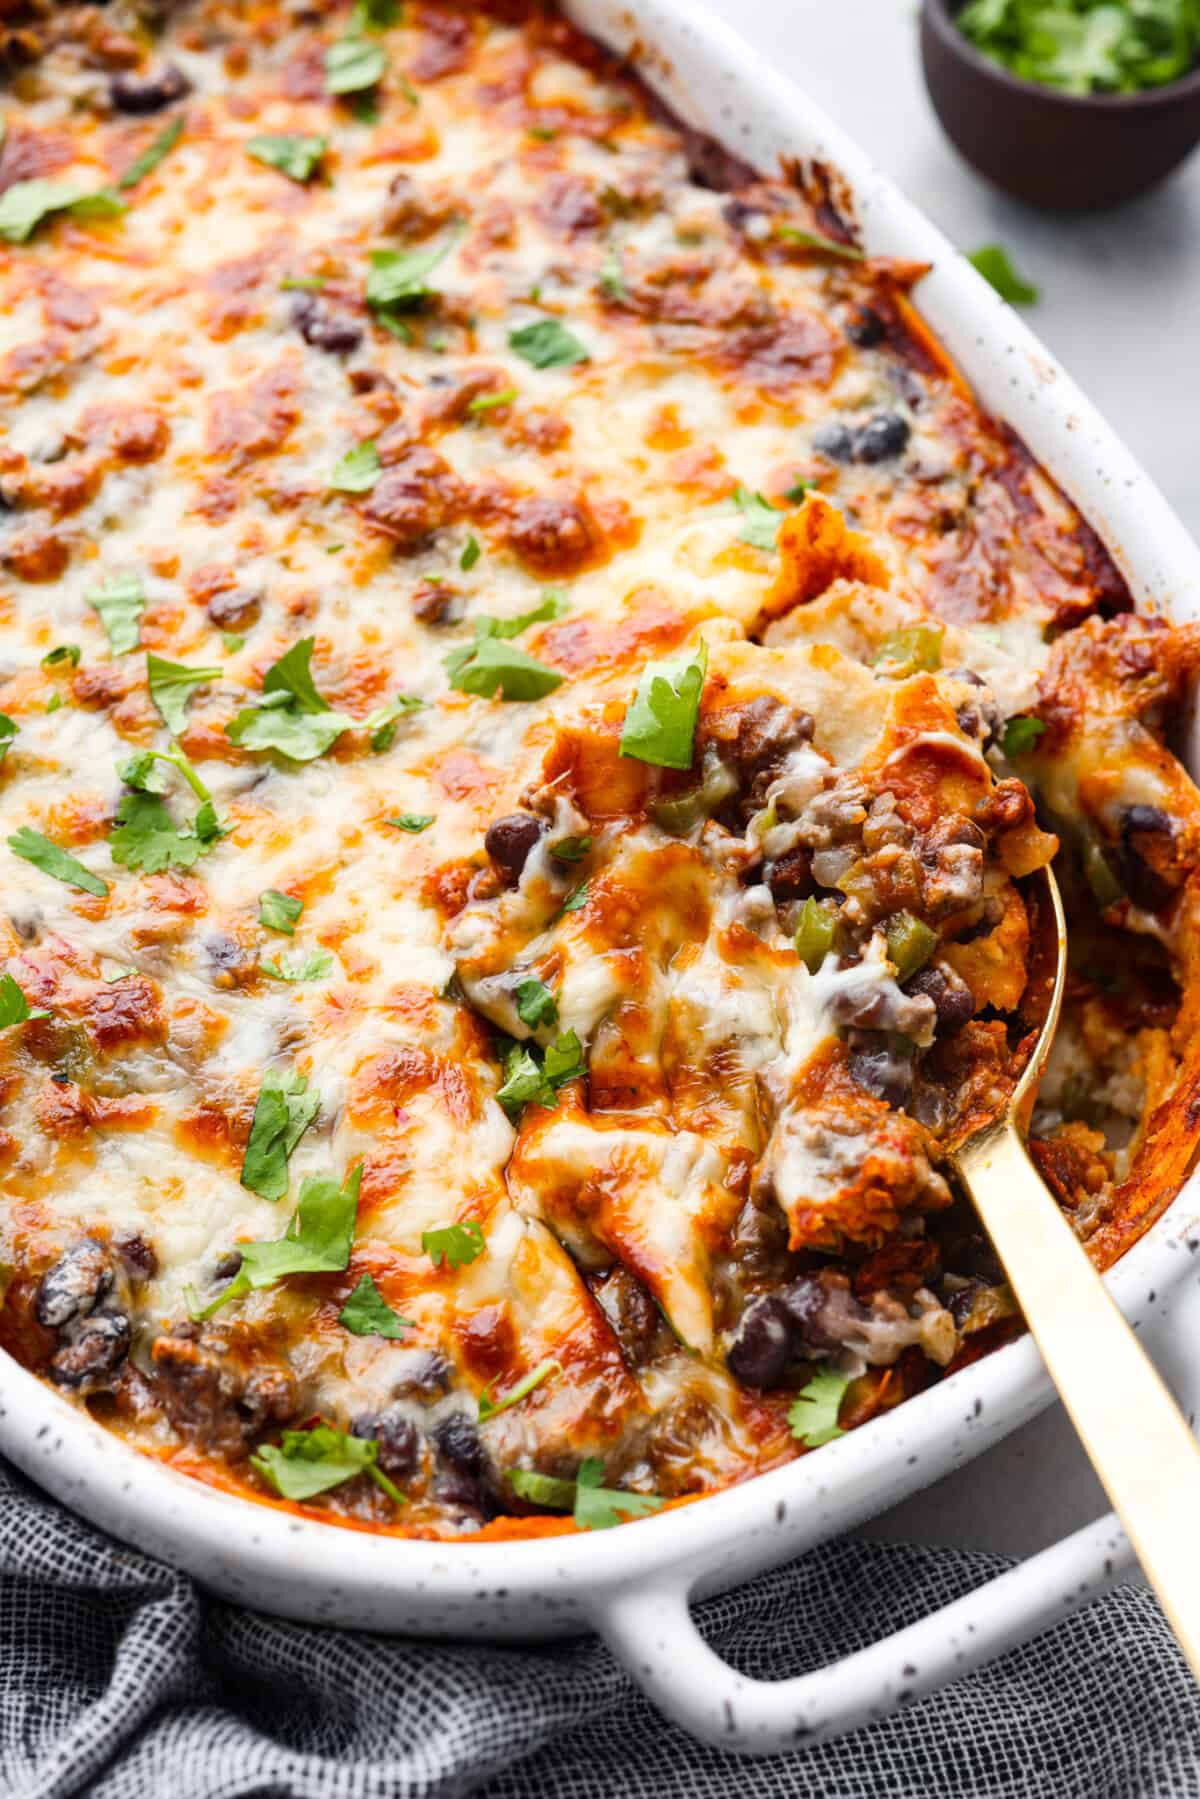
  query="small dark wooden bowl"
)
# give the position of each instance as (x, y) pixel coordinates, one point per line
(1059, 151)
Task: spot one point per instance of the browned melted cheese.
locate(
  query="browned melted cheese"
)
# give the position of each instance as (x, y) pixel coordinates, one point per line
(751, 1140)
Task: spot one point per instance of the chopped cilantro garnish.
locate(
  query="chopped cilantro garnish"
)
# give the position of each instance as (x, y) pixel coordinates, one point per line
(352, 66)
(489, 402)
(62, 655)
(26, 203)
(367, 1313)
(146, 837)
(154, 153)
(470, 555)
(536, 1005)
(570, 849)
(528, 1081)
(142, 772)
(375, 15)
(315, 965)
(813, 1415)
(399, 279)
(358, 470)
(547, 344)
(293, 153)
(1020, 734)
(279, 911)
(457, 1245)
(282, 1113)
(490, 667)
(797, 491)
(660, 724)
(995, 265)
(172, 685)
(33, 847)
(595, 1507)
(381, 726)
(411, 821)
(14, 1007)
(489, 1407)
(291, 717)
(761, 520)
(1086, 46)
(308, 1462)
(818, 241)
(120, 602)
(232, 642)
(577, 900)
(317, 1241)
(612, 275)
(8, 732)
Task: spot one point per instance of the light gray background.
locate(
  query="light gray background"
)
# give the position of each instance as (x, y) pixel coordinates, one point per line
(1120, 306)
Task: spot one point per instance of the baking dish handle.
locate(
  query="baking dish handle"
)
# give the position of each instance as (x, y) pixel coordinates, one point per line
(651, 1631)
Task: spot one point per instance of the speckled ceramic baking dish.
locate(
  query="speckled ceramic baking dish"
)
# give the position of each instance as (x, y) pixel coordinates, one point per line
(634, 1585)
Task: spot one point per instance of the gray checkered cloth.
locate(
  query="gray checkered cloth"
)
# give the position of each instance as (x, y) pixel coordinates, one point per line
(119, 1679)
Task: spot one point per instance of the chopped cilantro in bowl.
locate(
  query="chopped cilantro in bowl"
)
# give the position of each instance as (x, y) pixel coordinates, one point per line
(1087, 46)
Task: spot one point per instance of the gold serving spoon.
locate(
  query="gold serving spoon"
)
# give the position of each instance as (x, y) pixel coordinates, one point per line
(1135, 1435)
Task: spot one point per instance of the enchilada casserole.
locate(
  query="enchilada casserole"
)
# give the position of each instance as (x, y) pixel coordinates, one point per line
(532, 695)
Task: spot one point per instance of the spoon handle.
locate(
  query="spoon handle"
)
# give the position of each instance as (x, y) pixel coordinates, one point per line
(1135, 1435)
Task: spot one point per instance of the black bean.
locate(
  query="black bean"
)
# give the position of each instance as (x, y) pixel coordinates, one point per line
(399, 1443)
(99, 1345)
(424, 1373)
(75, 1286)
(465, 1492)
(866, 328)
(151, 92)
(762, 1343)
(228, 1266)
(1140, 879)
(834, 440)
(324, 328)
(950, 994)
(459, 1443)
(806, 1299)
(889, 1077)
(510, 840)
(866, 1004)
(791, 877)
(881, 438)
(141, 1263)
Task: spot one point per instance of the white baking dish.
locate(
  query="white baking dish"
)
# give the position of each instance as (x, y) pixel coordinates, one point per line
(634, 1584)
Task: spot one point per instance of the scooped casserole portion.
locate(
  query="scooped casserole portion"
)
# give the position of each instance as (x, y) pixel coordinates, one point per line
(532, 696)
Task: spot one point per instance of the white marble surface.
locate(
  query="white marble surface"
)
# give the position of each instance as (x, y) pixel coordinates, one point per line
(1120, 306)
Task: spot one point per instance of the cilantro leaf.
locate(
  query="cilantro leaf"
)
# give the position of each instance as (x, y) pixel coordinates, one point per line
(367, 1313)
(318, 1240)
(147, 838)
(813, 1415)
(294, 154)
(818, 241)
(995, 265)
(120, 602)
(490, 666)
(14, 1007)
(282, 1113)
(547, 344)
(1020, 734)
(172, 685)
(61, 654)
(315, 965)
(291, 717)
(570, 849)
(762, 521)
(489, 402)
(411, 821)
(660, 724)
(489, 1407)
(33, 847)
(457, 1245)
(352, 65)
(375, 15)
(8, 732)
(399, 279)
(470, 555)
(142, 772)
(279, 911)
(154, 153)
(26, 203)
(381, 726)
(577, 900)
(308, 1462)
(1090, 46)
(528, 1081)
(358, 470)
(536, 1005)
(595, 1507)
